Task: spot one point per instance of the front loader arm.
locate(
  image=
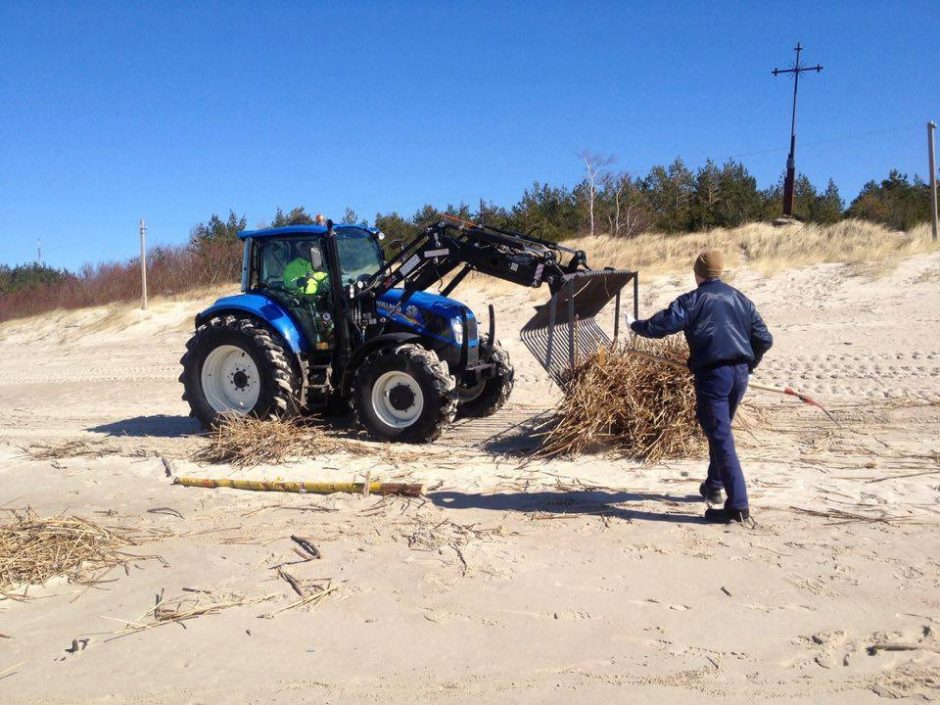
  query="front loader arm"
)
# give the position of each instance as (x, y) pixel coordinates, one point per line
(445, 247)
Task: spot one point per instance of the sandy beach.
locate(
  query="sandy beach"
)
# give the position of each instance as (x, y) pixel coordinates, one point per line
(585, 580)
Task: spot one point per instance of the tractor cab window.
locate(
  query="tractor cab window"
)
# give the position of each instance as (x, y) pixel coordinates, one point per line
(359, 254)
(297, 266)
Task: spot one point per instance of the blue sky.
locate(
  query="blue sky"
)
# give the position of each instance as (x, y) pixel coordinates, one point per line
(113, 111)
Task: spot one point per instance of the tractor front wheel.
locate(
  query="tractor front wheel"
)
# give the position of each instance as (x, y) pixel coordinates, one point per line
(236, 366)
(404, 394)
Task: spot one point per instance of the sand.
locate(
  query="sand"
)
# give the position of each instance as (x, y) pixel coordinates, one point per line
(587, 580)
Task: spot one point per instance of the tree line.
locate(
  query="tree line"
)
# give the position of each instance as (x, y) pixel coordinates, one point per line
(669, 198)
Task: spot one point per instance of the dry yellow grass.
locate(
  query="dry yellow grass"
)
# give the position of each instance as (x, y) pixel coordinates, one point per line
(760, 246)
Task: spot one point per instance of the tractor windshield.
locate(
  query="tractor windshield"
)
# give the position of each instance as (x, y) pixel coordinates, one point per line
(359, 254)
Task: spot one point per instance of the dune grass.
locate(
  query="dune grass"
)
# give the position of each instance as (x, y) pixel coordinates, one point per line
(760, 246)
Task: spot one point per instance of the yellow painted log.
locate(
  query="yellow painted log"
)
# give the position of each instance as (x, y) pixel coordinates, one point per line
(382, 488)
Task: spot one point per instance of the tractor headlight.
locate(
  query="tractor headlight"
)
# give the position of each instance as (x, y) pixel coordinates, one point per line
(456, 327)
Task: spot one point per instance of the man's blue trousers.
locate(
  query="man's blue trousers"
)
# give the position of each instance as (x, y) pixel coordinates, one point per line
(718, 391)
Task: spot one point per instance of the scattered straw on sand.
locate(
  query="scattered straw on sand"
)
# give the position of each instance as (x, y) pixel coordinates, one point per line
(620, 402)
(244, 441)
(71, 449)
(34, 549)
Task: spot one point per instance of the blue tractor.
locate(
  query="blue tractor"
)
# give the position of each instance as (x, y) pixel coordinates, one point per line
(324, 321)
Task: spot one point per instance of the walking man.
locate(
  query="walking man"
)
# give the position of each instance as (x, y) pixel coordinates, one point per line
(727, 339)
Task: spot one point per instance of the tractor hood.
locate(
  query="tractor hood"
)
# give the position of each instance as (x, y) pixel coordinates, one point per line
(428, 314)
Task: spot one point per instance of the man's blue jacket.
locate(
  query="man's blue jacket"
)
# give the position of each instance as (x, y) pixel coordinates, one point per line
(720, 323)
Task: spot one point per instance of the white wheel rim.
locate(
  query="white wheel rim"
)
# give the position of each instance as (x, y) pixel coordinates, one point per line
(391, 392)
(230, 380)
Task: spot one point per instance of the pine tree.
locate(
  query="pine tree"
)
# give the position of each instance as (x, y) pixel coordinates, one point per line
(297, 216)
(739, 200)
(829, 205)
(217, 231)
(705, 197)
(804, 198)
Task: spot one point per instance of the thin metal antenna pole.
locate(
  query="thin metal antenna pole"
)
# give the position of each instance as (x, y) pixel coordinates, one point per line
(931, 128)
(143, 265)
(790, 180)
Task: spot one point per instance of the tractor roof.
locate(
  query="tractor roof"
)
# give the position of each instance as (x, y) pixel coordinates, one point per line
(297, 231)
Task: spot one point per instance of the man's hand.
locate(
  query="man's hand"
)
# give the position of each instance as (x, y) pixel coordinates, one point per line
(628, 319)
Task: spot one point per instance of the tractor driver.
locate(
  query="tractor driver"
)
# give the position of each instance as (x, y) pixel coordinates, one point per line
(304, 275)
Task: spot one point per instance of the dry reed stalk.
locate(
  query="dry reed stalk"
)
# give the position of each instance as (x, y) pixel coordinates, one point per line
(33, 549)
(640, 408)
(839, 516)
(175, 610)
(244, 441)
(320, 593)
(5, 671)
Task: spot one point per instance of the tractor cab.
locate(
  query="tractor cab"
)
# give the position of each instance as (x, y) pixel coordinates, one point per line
(269, 252)
(292, 266)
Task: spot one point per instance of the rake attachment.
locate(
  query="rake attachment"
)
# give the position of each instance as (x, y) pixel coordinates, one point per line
(564, 330)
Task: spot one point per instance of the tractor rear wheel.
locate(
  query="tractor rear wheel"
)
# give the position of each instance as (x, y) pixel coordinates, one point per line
(236, 366)
(404, 394)
(488, 396)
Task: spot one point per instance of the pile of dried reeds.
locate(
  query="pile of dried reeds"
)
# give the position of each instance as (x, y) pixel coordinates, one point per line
(617, 401)
(33, 549)
(245, 441)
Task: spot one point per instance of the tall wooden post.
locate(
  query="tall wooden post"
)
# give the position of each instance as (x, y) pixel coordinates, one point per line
(931, 128)
(789, 182)
(143, 265)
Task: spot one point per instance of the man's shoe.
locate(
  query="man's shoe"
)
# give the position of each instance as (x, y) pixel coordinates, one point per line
(710, 496)
(726, 516)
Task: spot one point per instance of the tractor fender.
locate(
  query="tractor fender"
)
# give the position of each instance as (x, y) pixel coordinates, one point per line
(369, 347)
(264, 309)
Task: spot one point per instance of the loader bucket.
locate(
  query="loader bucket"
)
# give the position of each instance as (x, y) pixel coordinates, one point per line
(564, 330)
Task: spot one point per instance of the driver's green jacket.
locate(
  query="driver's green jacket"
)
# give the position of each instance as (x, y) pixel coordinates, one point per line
(301, 278)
